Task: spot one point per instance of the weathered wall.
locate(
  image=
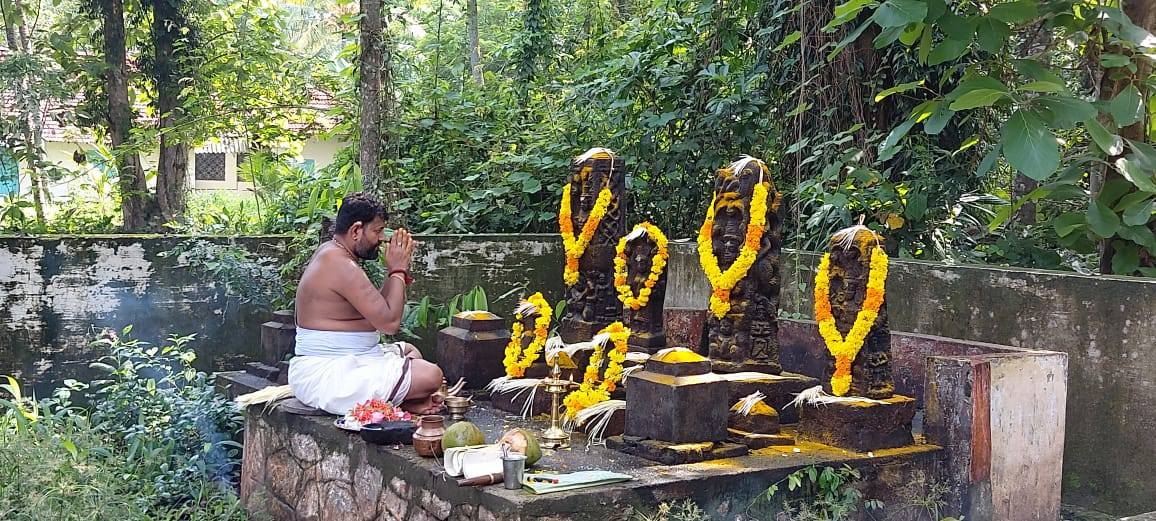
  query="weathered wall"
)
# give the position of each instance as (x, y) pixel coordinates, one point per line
(1104, 323)
(56, 293)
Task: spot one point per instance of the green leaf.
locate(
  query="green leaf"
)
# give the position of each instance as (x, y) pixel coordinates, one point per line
(1065, 111)
(790, 39)
(935, 10)
(916, 206)
(1112, 190)
(1125, 258)
(1102, 220)
(1137, 208)
(1043, 86)
(1141, 235)
(531, 186)
(1135, 174)
(992, 34)
(904, 87)
(898, 13)
(1014, 12)
(1110, 143)
(956, 27)
(1127, 107)
(977, 98)
(1144, 155)
(887, 37)
(846, 12)
(946, 51)
(1030, 146)
(925, 46)
(988, 162)
(889, 147)
(938, 120)
(1037, 71)
(971, 83)
(1068, 223)
(1109, 60)
(911, 33)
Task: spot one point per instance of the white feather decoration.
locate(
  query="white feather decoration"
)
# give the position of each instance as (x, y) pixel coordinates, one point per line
(590, 153)
(525, 309)
(635, 356)
(845, 238)
(268, 395)
(637, 232)
(748, 402)
(598, 417)
(518, 386)
(817, 396)
(742, 162)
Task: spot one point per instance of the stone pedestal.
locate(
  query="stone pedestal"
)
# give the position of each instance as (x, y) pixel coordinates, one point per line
(860, 426)
(278, 337)
(472, 347)
(755, 441)
(647, 342)
(574, 330)
(676, 410)
(779, 390)
(757, 429)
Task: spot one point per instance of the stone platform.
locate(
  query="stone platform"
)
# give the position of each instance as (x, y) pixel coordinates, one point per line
(302, 467)
(860, 426)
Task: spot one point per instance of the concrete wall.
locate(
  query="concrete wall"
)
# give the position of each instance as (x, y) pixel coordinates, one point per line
(1104, 324)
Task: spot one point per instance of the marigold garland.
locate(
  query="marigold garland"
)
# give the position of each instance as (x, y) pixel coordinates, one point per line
(723, 282)
(518, 360)
(594, 390)
(845, 349)
(576, 246)
(657, 266)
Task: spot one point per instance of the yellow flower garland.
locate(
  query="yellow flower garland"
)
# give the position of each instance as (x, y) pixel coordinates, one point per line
(657, 265)
(593, 392)
(845, 349)
(723, 282)
(518, 360)
(576, 246)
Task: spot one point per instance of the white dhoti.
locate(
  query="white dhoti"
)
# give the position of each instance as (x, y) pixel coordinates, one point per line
(335, 370)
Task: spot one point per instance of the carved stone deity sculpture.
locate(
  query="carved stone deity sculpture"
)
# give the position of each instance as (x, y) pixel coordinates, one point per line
(739, 247)
(849, 282)
(640, 278)
(592, 218)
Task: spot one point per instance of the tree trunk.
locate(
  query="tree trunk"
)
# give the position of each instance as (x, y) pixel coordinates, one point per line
(1022, 186)
(136, 204)
(173, 166)
(17, 34)
(472, 37)
(369, 89)
(1143, 14)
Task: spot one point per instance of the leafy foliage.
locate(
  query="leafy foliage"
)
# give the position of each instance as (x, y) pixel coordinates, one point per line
(824, 494)
(153, 441)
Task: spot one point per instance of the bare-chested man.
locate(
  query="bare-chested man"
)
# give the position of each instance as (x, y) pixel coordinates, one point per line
(339, 362)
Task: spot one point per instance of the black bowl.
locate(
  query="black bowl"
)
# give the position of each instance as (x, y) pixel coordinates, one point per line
(388, 433)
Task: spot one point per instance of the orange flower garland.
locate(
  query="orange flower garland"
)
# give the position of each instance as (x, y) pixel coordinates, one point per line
(518, 360)
(657, 266)
(845, 349)
(591, 392)
(723, 282)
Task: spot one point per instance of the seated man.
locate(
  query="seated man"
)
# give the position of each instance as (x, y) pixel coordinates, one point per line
(339, 362)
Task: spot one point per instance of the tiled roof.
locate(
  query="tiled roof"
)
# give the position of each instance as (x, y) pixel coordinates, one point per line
(58, 128)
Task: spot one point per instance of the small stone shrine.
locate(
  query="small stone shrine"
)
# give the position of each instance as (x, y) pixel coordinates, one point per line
(472, 348)
(676, 411)
(640, 278)
(851, 311)
(592, 217)
(525, 364)
(755, 424)
(739, 247)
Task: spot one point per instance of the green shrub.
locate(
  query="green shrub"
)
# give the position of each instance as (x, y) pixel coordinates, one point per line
(153, 441)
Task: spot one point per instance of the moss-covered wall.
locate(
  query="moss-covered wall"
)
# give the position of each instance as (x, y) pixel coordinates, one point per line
(53, 290)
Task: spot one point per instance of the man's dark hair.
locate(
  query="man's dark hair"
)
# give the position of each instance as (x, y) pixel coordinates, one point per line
(358, 206)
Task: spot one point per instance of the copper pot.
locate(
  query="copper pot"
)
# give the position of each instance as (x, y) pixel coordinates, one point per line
(427, 439)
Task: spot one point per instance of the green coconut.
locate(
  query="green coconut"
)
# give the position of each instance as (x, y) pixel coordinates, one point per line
(462, 434)
(524, 442)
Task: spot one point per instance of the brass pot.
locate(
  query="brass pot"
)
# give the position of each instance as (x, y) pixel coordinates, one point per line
(427, 439)
(458, 406)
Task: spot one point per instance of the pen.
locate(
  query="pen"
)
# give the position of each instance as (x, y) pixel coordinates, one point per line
(542, 480)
